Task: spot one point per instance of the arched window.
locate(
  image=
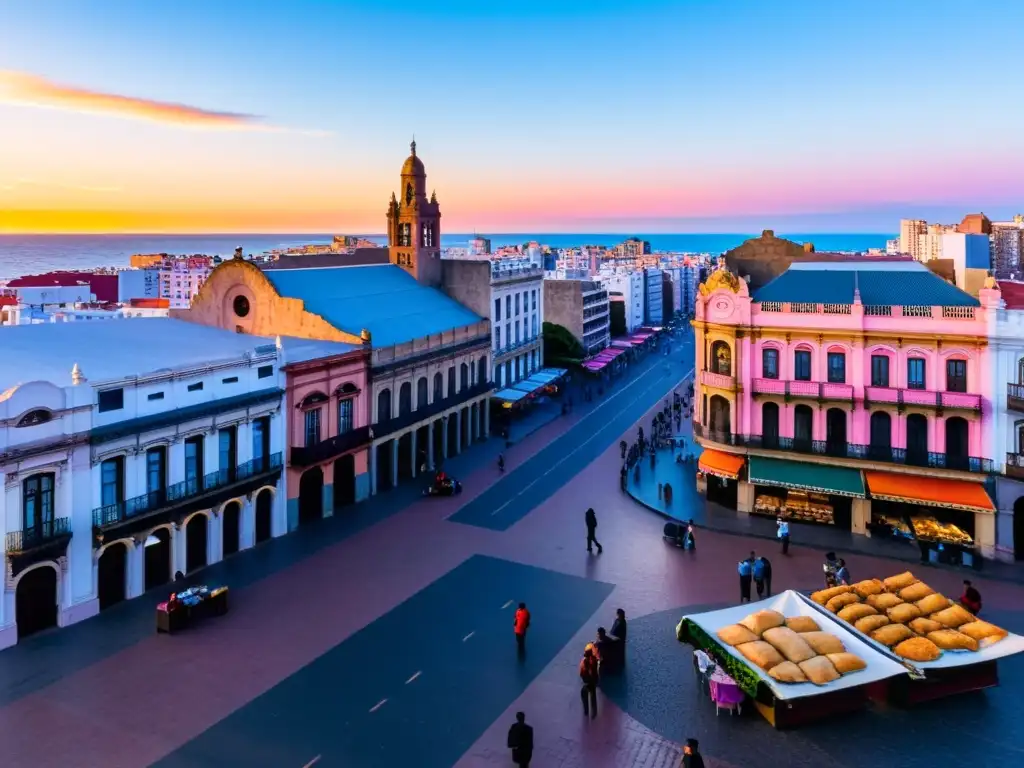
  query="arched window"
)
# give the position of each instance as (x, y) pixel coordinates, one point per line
(917, 440)
(463, 377)
(770, 425)
(405, 399)
(721, 419)
(438, 387)
(33, 418)
(835, 432)
(956, 444)
(721, 358)
(37, 506)
(880, 447)
(421, 393)
(803, 427)
(481, 370)
(384, 405)
(451, 381)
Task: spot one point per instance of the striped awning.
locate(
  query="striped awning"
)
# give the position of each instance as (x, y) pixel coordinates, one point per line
(721, 464)
(930, 491)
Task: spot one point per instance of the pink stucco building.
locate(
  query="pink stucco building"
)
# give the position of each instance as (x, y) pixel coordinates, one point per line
(859, 390)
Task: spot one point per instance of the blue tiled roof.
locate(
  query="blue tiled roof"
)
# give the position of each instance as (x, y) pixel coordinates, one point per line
(384, 299)
(878, 287)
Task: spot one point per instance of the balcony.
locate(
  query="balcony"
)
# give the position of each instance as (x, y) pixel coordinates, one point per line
(809, 389)
(1014, 466)
(1015, 397)
(305, 456)
(718, 380)
(389, 426)
(178, 500)
(515, 347)
(36, 545)
(853, 451)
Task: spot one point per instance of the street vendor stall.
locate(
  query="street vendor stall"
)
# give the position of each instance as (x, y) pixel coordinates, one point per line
(185, 608)
(946, 649)
(796, 665)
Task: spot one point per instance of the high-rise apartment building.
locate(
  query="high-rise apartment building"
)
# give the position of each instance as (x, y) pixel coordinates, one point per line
(910, 231)
(1007, 242)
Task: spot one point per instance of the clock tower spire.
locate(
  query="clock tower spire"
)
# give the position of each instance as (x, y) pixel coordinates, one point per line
(414, 224)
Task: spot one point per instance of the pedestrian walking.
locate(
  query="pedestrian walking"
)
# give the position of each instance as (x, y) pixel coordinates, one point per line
(661, 490)
(591, 518)
(622, 447)
(691, 755)
(589, 678)
(783, 535)
(689, 541)
(521, 623)
(758, 573)
(520, 741)
(746, 571)
(766, 575)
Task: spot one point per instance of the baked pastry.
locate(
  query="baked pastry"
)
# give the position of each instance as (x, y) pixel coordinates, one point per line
(923, 626)
(918, 649)
(759, 621)
(952, 640)
(845, 663)
(884, 601)
(788, 643)
(761, 653)
(802, 624)
(823, 642)
(899, 581)
(822, 596)
(856, 611)
(916, 592)
(891, 634)
(819, 670)
(735, 634)
(839, 602)
(869, 624)
(868, 587)
(933, 603)
(903, 613)
(787, 672)
(982, 630)
(953, 617)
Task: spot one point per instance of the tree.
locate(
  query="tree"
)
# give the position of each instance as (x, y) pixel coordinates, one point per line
(560, 346)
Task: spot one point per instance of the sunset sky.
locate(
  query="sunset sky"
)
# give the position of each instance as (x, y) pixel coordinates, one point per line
(531, 116)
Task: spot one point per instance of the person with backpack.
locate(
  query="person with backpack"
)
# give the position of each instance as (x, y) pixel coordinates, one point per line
(589, 678)
(746, 571)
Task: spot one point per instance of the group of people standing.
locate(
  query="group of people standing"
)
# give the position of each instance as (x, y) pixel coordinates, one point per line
(756, 570)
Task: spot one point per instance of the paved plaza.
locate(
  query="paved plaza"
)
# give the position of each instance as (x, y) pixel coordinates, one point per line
(383, 638)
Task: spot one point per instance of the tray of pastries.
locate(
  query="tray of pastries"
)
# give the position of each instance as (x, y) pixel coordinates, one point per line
(791, 650)
(930, 529)
(910, 618)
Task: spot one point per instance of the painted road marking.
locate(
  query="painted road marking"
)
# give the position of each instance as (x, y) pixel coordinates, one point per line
(579, 447)
(469, 636)
(413, 677)
(378, 705)
(313, 762)
(506, 605)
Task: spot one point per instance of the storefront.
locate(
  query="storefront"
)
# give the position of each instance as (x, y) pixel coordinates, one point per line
(718, 475)
(806, 493)
(952, 521)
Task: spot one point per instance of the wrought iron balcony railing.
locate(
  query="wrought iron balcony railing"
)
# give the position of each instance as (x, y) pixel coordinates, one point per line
(30, 538)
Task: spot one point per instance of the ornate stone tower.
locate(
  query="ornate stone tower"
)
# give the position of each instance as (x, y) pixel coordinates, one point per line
(414, 225)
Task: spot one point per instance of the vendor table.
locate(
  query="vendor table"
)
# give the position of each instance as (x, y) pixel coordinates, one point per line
(174, 619)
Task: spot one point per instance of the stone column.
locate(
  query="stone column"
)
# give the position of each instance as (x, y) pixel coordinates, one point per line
(247, 524)
(985, 533)
(178, 555)
(861, 516)
(430, 445)
(135, 581)
(371, 468)
(487, 417)
(458, 432)
(394, 462)
(412, 449)
(279, 512)
(745, 497)
(327, 492)
(214, 537)
(444, 437)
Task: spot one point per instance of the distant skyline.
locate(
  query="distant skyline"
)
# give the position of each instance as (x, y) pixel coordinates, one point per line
(654, 116)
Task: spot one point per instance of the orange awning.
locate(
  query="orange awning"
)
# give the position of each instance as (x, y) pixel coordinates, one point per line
(722, 464)
(930, 491)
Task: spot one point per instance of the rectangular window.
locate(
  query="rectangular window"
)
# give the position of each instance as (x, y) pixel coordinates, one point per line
(156, 470)
(802, 365)
(37, 505)
(112, 481)
(915, 373)
(533, 324)
(312, 427)
(110, 400)
(194, 464)
(956, 375)
(508, 307)
(497, 337)
(345, 413)
(264, 372)
(517, 331)
(155, 396)
(534, 299)
(195, 387)
(229, 380)
(517, 304)
(837, 367)
(227, 452)
(770, 363)
(879, 371)
(261, 439)
(497, 310)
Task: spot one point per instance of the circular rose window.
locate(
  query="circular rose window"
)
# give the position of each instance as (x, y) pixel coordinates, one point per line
(241, 306)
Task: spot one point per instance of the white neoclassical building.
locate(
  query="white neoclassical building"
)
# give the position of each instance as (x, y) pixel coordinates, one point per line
(129, 452)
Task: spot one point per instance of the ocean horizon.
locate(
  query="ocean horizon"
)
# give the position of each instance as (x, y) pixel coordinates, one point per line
(30, 254)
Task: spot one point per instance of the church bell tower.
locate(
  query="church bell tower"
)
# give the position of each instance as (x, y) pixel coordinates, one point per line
(414, 225)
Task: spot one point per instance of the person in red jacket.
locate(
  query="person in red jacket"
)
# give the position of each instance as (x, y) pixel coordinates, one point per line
(521, 624)
(589, 678)
(971, 598)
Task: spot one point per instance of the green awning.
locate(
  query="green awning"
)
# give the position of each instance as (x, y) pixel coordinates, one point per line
(819, 478)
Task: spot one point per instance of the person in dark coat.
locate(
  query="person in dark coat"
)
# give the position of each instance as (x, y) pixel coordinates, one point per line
(520, 741)
(691, 755)
(746, 571)
(766, 576)
(619, 627)
(591, 519)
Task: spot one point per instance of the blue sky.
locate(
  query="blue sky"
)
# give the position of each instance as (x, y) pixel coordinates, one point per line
(530, 115)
